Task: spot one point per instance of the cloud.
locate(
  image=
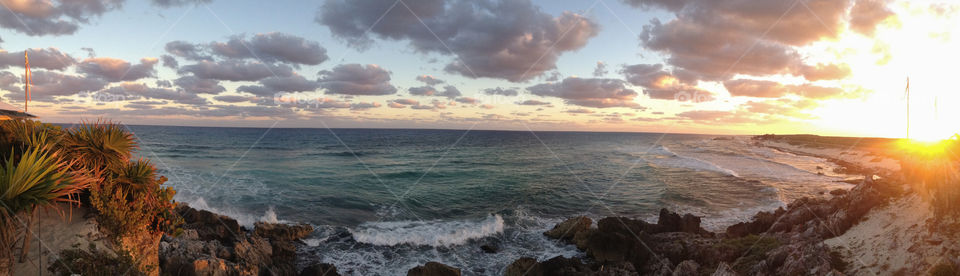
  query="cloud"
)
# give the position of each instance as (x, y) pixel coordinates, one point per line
(195, 85)
(186, 50)
(600, 70)
(467, 100)
(449, 91)
(598, 93)
(364, 105)
(824, 72)
(234, 70)
(511, 40)
(49, 84)
(533, 102)
(234, 98)
(501, 91)
(659, 83)
(429, 80)
(717, 39)
(272, 47)
(116, 70)
(580, 111)
(169, 61)
(49, 58)
(37, 18)
(177, 3)
(866, 14)
(771, 89)
(357, 79)
(139, 89)
(272, 85)
(407, 101)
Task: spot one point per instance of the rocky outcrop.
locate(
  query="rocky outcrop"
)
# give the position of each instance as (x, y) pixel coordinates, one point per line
(433, 269)
(320, 269)
(212, 244)
(787, 241)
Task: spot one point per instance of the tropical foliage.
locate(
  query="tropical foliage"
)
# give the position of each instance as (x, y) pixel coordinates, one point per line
(42, 165)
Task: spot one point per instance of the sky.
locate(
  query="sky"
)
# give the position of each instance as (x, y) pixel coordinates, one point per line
(831, 67)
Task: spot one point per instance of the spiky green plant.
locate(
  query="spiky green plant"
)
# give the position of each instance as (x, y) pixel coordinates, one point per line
(99, 147)
(38, 178)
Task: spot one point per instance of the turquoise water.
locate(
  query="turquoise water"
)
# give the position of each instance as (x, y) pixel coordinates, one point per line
(384, 201)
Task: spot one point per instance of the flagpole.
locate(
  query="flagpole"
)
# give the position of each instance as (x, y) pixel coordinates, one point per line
(26, 81)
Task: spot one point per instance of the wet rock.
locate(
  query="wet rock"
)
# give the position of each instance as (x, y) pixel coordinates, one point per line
(673, 222)
(524, 266)
(490, 248)
(320, 269)
(561, 265)
(568, 229)
(433, 269)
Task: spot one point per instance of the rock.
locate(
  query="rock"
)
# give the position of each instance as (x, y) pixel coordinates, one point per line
(616, 269)
(761, 222)
(561, 265)
(320, 269)
(433, 269)
(210, 226)
(838, 192)
(687, 268)
(723, 269)
(490, 248)
(567, 229)
(281, 232)
(525, 266)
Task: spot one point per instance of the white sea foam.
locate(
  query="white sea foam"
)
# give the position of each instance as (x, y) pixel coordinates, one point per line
(680, 161)
(242, 218)
(431, 233)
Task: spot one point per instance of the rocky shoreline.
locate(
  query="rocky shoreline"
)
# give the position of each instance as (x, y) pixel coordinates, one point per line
(783, 242)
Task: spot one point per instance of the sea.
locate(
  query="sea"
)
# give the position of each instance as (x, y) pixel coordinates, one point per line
(385, 200)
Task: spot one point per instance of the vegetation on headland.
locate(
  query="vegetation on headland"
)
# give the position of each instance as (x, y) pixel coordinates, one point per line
(44, 164)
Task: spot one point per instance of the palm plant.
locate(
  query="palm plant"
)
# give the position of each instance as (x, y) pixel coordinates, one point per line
(99, 147)
(38, 178)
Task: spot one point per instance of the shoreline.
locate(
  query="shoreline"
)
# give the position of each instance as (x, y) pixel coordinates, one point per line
(807, 237)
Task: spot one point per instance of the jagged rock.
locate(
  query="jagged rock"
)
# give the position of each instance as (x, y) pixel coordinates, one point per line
(617, 269)
(210, 226)
(524, 266)
(673, 222)
(281, 232)
(569, 228)
(433, 269)
(687, 268)
(680, 246)
(761, 222)
(723, 269)
(320, 269)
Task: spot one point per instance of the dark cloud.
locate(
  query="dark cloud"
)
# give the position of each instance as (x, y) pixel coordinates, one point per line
(580, 111)
(177, 3)
(169, 61)
(533, 102)
(598, 93)
(52, 17)
(717, 39)
(186, 50)
(195, 85)
(10, 82)
(512, 40)
(164, 83)
(501, 91)
(272, 47)
(115, 70)
(866, 14)
(48, 84)
(429, 80)
(407, 101)
(467, 100)
(364, 105)
(235, 70)
(422, 91)
(49, 58)
(233, 98)
(357, 79)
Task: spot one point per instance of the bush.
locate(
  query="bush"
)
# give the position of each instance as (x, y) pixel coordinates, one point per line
(749, 250)
(94, 261)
